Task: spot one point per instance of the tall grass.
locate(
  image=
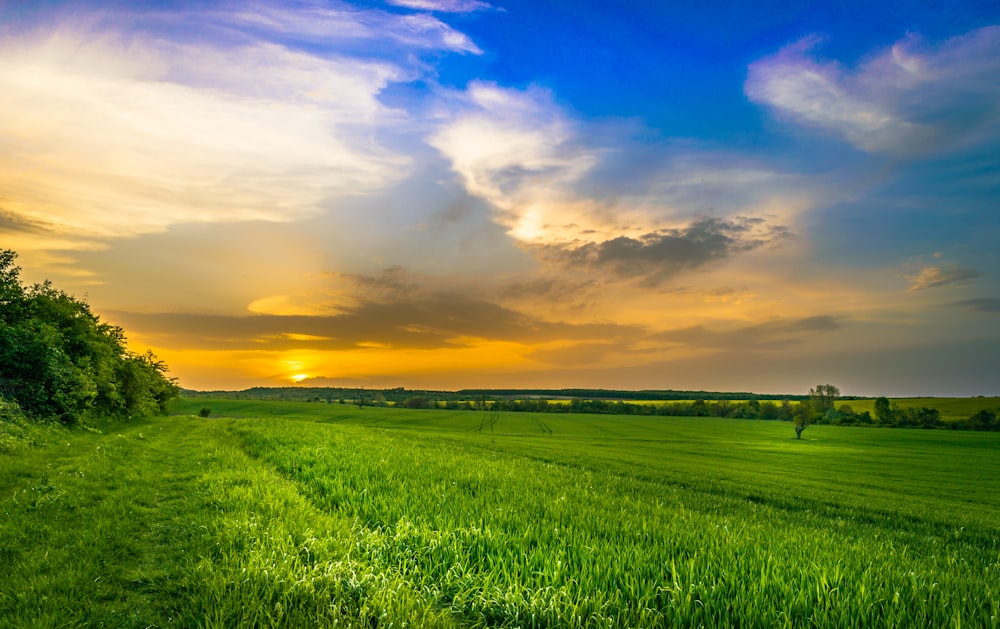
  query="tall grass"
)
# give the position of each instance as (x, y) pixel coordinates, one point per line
(686, 522)
(329, 516)
(170, 524)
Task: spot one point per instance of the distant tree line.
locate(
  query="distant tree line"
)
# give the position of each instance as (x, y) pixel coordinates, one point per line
(615, 394)
(822, 405)
(819, 407)
(59, 361)
(398, 395)
(751, 409)
(890, 414)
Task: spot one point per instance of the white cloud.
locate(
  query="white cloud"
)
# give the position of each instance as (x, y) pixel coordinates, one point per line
(120, 123)
(327, 24)
(533, 163)
(103, 135)
(423, 27)
(909, 98)
(444, 6)
(517, 151)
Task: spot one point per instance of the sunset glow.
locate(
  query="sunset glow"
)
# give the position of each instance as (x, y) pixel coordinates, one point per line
(516, 194)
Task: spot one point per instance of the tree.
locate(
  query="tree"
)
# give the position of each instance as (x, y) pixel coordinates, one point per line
(417, 401)
(983, 420)
(821, 403)
(11, 291)
(59, 361)
(823, 397)
(802, 416)
(769, 410)
(884, 412)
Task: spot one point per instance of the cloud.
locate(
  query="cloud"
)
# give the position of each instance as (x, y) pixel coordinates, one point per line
(393, 284)
(983, 305)
(554, 188)
(12, 222)
(329, 25)
(444, 6)
(778, 334)
(911, 98)
(657, 256)
(137, 152)
(509, 147)
(421, 322)
(590, 353)
(934, 276)
(119, 124)
(550, 289)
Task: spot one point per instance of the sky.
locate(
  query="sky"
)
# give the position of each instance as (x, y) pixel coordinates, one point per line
(452, 194)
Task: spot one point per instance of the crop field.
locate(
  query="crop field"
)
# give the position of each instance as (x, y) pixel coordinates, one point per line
(304, 514)
(951, 408)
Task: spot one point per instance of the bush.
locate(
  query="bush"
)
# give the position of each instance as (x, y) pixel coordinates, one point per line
(59, 361)
(417, 402)
(17, 431)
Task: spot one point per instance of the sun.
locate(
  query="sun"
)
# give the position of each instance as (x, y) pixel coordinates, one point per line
(299, 377)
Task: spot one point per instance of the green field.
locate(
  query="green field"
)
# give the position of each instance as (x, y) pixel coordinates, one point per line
(296, 514)
(952, 409)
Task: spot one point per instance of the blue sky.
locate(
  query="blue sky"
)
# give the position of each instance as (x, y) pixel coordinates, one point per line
(461, 193)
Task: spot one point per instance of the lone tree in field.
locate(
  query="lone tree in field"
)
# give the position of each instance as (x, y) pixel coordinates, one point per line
(802, 416)
(822, 400)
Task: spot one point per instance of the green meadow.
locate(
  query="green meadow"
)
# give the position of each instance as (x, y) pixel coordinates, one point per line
(288, 514)
(951, 409)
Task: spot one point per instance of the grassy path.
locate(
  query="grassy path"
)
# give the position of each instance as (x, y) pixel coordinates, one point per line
(94, 529)
(171, 524)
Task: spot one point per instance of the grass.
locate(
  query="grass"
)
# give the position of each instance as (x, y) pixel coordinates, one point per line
(298, 514)
(951, 409)
(169, 523)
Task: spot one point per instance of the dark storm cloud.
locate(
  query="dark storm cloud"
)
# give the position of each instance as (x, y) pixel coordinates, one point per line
(657, 256)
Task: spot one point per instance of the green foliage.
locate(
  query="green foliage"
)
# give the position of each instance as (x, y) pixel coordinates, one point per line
(884, 412)
(983, 420)
(823, 398)
(16, 431)
(417, 401)
(950, 409)
(59, 361)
